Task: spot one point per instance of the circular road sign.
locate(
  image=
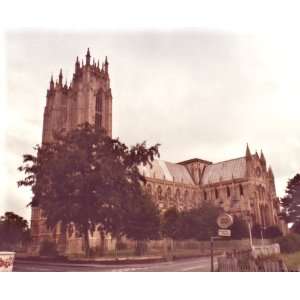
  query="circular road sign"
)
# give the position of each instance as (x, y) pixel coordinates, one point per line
(224, 220)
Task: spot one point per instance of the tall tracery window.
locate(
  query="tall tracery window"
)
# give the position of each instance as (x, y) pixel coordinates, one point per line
(216, 194)
(98, 110)
(149, 189)
(241, 190)
(159, 193)
(228, 191)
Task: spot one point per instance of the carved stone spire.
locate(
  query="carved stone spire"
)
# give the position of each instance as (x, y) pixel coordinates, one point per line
(88, 57)
(60, 77)
(262, 158)
(51, 83)
(248, 153)
(106, 65)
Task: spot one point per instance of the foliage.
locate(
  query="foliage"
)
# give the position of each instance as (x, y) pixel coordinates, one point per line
(289, 243)
(272, 232)
(169, 223)
(257, 231)
(48, 248)
(87, 178)
(143, 219)
(199, 223)
(292, 260)
(239, 229)
(14, 231)
(291, 201)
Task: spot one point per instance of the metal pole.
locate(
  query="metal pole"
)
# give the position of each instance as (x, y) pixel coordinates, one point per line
(250, 235)
(211, 254)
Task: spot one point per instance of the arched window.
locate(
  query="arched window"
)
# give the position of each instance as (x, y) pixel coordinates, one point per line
(228, 191)
(241, 190)
(98, 110)
(159, 193)
(149, 189)
(168, 193)
(216, 193)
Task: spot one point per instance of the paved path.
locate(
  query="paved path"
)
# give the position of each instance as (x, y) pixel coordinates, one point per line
(185, 265)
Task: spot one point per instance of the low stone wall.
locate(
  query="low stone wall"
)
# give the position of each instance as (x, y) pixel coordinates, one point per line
(222, 245)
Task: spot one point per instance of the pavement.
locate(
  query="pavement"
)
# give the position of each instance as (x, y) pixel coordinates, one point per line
(201, 264)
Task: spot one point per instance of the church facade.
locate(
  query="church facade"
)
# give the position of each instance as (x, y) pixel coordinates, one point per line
(242, 186)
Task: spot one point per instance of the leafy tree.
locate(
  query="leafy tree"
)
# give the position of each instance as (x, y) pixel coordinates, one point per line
(291, 201)
(169, 226)
(142, 222)
(272, 232)
(87, 178)
(257, 231)
(14, 231)
(239, 229)
(207, 225)
(199, 223)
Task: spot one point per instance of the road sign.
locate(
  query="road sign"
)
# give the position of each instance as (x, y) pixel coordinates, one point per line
(224, 232)
(224, 220)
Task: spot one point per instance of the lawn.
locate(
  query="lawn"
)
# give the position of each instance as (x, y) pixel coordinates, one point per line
(292, 260)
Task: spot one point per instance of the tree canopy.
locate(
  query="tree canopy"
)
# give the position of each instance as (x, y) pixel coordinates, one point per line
(14, 231)
(87, 178)
(198, 223)
(291, 201)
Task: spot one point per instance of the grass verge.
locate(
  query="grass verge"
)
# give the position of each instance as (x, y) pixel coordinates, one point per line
(292, 260)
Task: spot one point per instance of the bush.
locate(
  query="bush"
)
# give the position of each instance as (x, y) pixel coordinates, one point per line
(256, 231)
(239, 229)
(272, 232)
(48, 248)
(289, 243)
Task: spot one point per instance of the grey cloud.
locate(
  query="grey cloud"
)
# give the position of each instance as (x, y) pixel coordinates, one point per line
(199, 94)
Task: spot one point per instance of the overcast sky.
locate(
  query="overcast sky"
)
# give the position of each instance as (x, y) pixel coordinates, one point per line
(200, 94)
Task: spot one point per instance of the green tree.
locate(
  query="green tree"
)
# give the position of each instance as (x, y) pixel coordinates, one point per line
(272, 232)
(291, 201)
(87, 178)
(14, 231)
(142, 222)
(239, 229)
(198, 223)
(169, 224)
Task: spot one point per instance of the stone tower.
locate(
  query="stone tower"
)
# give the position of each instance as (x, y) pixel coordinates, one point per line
(86, 99)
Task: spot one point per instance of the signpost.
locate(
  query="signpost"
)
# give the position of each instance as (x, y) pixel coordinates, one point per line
(224, 221)
(224, 232)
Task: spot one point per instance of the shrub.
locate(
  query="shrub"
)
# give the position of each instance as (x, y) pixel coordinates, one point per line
(272, 232)
(256, 231)
(48, 248)
(239, 229)
(289, 243)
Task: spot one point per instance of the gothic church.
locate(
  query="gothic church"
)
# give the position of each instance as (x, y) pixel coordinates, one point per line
(242, 186)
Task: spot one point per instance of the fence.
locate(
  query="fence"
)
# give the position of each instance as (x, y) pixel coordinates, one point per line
(249, 261)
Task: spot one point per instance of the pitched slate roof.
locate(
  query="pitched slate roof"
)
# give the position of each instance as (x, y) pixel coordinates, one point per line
(166, 170)
(224, 171)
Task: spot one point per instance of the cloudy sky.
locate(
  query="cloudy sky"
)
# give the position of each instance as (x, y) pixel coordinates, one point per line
(200, 94)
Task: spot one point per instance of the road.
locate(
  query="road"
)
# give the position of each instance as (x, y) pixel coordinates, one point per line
(185, 265)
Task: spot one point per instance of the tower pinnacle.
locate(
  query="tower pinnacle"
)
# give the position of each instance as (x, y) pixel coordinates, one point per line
(51, 83)
(106, 65)
(88, 57)
(60, 77)
(262, 158)
(248, 153)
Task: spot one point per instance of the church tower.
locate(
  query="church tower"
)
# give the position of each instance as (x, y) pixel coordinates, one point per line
(87, 98)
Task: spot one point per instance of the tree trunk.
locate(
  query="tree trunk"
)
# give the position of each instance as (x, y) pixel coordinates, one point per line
(102, 246)
(141, 246)
(87, 243)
